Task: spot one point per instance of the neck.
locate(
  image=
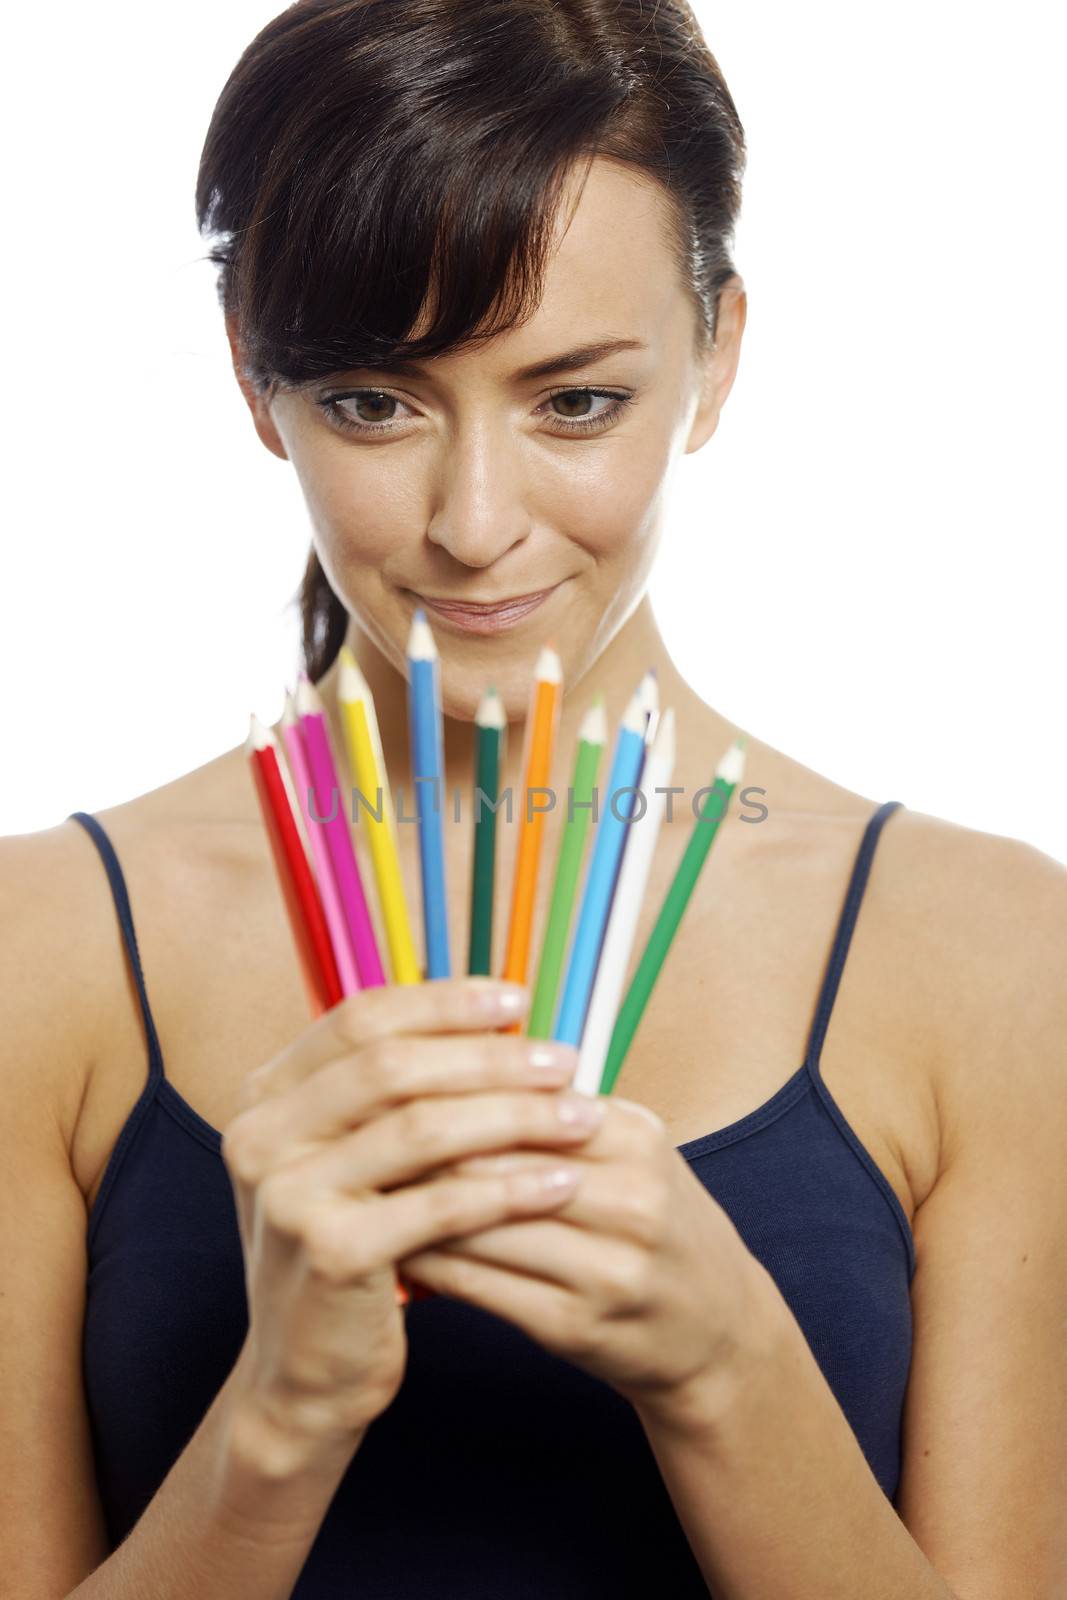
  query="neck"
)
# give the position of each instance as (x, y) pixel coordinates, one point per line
(637, 646)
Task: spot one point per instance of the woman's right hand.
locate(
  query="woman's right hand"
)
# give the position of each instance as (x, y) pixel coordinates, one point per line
(339, 1160)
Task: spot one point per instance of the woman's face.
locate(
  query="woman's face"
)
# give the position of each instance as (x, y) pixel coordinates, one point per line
(472, 481)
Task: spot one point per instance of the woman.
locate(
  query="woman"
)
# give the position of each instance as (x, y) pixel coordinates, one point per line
(745, 1327)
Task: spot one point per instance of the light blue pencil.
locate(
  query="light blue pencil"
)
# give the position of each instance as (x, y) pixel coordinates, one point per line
(427, 763)
(611, 834)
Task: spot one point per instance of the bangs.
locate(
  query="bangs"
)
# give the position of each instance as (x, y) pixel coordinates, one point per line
(401, 183)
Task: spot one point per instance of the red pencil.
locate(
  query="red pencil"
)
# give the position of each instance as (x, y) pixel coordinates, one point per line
(306, 918)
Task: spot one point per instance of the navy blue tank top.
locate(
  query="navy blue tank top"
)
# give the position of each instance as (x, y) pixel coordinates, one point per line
(500, 1472)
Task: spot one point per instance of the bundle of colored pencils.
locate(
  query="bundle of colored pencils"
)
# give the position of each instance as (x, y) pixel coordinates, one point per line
(588, 937)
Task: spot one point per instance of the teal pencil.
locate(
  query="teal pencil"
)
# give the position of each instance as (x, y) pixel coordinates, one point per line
(491, 722)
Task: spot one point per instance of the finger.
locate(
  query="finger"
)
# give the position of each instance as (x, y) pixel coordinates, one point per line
(447, 1005)
(540, 1309)
(388, 1072)
(604, 1270)
(414, 1139)
(630, 1135)
(346, 1240)
(632, 1204)
(505, 1161)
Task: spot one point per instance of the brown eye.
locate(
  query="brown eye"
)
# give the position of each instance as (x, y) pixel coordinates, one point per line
(576, 415)
(363, 411)
(372, 406)
(575, 401)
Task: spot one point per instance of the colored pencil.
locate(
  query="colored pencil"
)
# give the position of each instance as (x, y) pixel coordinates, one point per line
(306, 919)
(285, 767)
(491, 723)
(359, 724)
(592, 737)
(648, 690)
(611, 832)
(727, 776)
(541, 724)
(333, 819)
(340, 940)
(626, 906)
(427, 767)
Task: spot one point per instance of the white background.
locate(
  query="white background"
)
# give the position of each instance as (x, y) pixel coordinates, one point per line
(875, 532)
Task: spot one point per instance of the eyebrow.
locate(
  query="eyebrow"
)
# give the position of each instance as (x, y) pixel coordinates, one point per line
(569, 361)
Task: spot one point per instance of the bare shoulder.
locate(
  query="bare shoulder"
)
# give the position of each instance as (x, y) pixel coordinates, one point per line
(984, 1421)
(68, 993)
(987, 917)
(53, 928)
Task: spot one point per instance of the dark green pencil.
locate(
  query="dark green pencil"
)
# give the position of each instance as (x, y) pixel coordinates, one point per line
(491, 724)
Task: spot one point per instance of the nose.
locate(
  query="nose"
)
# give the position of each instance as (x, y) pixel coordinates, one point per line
(478, 514)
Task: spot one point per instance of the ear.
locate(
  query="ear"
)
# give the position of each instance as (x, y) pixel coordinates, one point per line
(720, 362)
(258, 403)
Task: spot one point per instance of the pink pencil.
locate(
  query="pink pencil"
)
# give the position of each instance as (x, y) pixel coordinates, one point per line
(330, 802)
(331, 905)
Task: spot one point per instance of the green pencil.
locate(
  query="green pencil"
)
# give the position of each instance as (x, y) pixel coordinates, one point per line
(592, 737)
(727, 776)
(491, 723)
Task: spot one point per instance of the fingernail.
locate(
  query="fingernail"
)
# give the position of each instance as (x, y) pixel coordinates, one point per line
(557, 1180)
(580, 1110)
(505, 1000)
(554, 1060)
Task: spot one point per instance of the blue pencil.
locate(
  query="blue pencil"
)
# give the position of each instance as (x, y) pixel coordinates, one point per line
(427, 763)
(611, 834)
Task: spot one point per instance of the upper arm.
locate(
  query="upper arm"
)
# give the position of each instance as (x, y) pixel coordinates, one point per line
(51, 1527)
(984, 1480)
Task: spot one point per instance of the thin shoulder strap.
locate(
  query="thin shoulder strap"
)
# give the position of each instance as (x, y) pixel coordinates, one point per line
(129, 937)
(843, 937)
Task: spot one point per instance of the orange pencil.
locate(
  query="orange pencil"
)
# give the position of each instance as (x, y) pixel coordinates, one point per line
(541, 723)
(299, 890)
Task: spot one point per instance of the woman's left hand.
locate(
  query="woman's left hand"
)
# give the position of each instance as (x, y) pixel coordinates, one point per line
(640, 1278)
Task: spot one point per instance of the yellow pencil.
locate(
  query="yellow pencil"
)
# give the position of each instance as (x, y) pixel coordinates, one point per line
(363, 741)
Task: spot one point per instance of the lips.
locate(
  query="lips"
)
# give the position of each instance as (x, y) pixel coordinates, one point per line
(486, 616)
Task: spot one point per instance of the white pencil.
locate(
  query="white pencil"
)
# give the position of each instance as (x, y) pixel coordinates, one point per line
(626, 908)
(648, 692)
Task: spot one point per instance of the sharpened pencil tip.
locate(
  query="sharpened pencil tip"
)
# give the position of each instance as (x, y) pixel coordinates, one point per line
(308, 702)
(594, 725)
(648, 690)
(259, 736)
(490, 712)
(732, 764)
(635, 716)
(352, 686)
(549, 667)
(421, 646)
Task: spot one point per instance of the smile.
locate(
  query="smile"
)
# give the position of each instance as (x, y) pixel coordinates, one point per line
(486, 616)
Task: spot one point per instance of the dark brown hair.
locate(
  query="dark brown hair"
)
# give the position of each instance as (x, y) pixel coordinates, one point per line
(370, 157)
